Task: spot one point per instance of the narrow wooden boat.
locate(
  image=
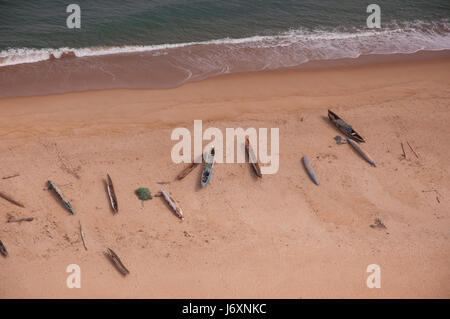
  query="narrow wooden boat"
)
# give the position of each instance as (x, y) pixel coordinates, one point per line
(111, 194)
(173, 204)
(208, 168)
(115, 260)
(344, 127)
(252, 158)
(187, 170)
(309, 170)
(83, 238)
(3, 250)
(361, 152)
(59, 193)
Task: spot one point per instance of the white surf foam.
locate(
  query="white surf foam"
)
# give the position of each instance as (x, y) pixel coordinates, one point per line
(408, 38)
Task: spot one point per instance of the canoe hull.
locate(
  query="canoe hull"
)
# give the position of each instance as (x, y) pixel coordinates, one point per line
(345, 128)
(309, 170)
(59, 193)
(252, 158)
(208, 168)
(111, 194)
(361, 152)
(173, 204)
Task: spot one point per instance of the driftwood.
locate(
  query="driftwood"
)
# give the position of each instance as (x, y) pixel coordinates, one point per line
(187, 170)
(10, 176)
(436, 192)
(11, 200)
(19, 220)
(115, 260)
(3, 250)
(404, 154)
(412, 150)
(163, 183)
(82, 237)
(112, 194)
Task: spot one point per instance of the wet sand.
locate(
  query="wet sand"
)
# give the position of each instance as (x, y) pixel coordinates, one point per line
(278, 237)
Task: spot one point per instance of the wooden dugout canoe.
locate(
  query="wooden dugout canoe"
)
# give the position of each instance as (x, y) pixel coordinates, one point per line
(345, 128)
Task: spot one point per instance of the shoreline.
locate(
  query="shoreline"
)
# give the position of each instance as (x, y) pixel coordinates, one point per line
(278, 237)
(131, 71)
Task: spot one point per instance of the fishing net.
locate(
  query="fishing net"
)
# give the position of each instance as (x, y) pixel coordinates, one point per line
(143, 193)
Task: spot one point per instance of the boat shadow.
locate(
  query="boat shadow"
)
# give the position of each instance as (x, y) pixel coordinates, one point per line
(326, 119)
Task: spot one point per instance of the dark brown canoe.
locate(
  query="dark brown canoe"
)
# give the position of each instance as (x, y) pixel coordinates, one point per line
(187, 170)
(115, 260)
(252, 158)
(345, 128)
(3, 250)
(112, 194)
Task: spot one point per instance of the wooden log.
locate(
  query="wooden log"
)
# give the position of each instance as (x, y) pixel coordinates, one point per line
(10, 176)
(19, 220)
(412, 149)
(11, 200)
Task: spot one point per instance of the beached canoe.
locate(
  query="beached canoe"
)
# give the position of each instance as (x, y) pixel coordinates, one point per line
(115, 260)
(187, 170)
(252, 158)
(361, 152)
(344, 127)
(111, 194)
(309, 170)
(59, 193)
(173, 204)
(208, 168)
(3, 250)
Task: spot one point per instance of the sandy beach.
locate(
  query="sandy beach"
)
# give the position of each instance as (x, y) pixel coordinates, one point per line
(276, 237)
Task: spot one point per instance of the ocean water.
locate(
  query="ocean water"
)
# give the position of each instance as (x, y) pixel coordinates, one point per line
(123, 43)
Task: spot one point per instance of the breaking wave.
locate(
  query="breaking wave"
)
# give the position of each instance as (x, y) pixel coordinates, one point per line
(288, 49)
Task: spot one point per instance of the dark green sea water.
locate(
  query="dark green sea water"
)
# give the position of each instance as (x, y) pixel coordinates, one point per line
(120, 43)
(42, 23)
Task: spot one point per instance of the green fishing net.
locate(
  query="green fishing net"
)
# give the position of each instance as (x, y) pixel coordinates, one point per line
(143, 193)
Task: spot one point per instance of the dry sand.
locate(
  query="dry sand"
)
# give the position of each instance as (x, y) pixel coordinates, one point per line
(279, 237)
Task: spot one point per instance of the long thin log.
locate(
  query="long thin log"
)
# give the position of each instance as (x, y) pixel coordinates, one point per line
(11, 200)
(412, 149)
(19, 220)
(404, 154)
(10, 176)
